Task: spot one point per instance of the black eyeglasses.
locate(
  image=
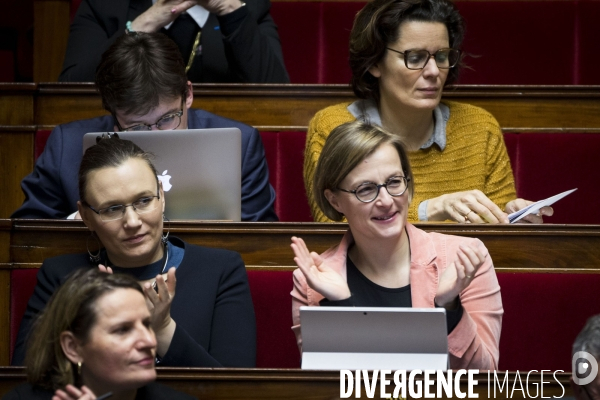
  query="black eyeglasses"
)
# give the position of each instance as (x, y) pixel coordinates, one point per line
(165, 123)
(141, 206)
(418, 59)
(368, 191)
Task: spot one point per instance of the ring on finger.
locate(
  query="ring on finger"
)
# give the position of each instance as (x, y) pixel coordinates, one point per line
(467, 215)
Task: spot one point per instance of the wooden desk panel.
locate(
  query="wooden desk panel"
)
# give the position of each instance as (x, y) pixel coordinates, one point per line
(521, 247)
(261, 384)
(16, 103)
(51, 19)
(16, 161)
(275, 107)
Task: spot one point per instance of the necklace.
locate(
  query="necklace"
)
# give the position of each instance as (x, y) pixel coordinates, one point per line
(154, 286)
(146, 272)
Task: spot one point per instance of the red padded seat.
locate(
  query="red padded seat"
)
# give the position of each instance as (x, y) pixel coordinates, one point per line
(7, 66)
(587, 55)
(276, 343)
(41, 137)
(285, 156)
(22, 283)
(300, 33)
(543, 313)
(550, 163)
(516, 42)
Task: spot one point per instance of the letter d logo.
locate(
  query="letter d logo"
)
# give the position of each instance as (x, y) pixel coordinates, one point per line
(584, 367)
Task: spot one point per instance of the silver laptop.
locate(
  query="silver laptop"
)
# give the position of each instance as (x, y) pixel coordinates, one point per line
(335, 338)
(200, 170)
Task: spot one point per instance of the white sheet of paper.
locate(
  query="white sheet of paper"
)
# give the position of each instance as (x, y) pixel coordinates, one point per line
(535, 207)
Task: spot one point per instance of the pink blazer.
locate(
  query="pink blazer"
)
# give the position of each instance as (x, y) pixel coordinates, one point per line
(474, 342)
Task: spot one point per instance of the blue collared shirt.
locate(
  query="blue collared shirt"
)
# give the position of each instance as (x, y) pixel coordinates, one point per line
(367, 111)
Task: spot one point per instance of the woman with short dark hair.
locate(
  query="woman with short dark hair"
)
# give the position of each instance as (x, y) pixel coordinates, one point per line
(209, 321)
(402, 54)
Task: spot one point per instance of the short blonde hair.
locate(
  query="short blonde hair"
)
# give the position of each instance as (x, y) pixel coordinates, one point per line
(346, 146)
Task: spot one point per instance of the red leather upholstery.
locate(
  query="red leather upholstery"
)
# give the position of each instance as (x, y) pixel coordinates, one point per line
(285, 157)
(22, 283)
(543, 313)
(299, 33)
(518, 43)
(276, 343)
(41, 137)
(550, 163)
(515, 41)
(587, 58)
(7, 66)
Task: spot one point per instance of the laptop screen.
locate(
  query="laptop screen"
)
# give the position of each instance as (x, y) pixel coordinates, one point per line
(200, 170)
(374, 338)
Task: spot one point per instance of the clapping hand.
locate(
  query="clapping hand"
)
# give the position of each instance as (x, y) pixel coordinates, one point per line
(103, 268)
(159, 301)
(159, 298)
(72, 393)
(319, 276)
(460, 273)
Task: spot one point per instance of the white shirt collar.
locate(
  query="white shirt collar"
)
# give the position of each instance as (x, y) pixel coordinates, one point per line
(367, 111)
(198, 14)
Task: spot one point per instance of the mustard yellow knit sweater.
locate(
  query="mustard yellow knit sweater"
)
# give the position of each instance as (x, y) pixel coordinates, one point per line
(475, 157)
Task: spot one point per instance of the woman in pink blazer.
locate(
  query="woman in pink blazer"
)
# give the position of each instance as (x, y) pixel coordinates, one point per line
(385, 261)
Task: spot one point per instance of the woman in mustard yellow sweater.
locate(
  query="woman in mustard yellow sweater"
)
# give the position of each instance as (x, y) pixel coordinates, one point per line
(461, 167)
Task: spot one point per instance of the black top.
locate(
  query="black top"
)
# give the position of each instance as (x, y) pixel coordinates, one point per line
(212, 307)
(366, 293)
(152, 391)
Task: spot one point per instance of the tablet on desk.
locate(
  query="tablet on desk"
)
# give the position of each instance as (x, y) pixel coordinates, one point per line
(335, 338)
(200, 170)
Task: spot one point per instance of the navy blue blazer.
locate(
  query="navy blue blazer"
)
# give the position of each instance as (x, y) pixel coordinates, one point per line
(212, 307)
(51, 190)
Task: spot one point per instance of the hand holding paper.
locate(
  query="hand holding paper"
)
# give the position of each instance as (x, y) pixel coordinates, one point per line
(535, 207)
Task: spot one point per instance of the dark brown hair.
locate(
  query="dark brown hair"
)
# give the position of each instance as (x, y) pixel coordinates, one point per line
(139, 71)
(346, 146)
(376, 26)
(71, 308)
(111, 152)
